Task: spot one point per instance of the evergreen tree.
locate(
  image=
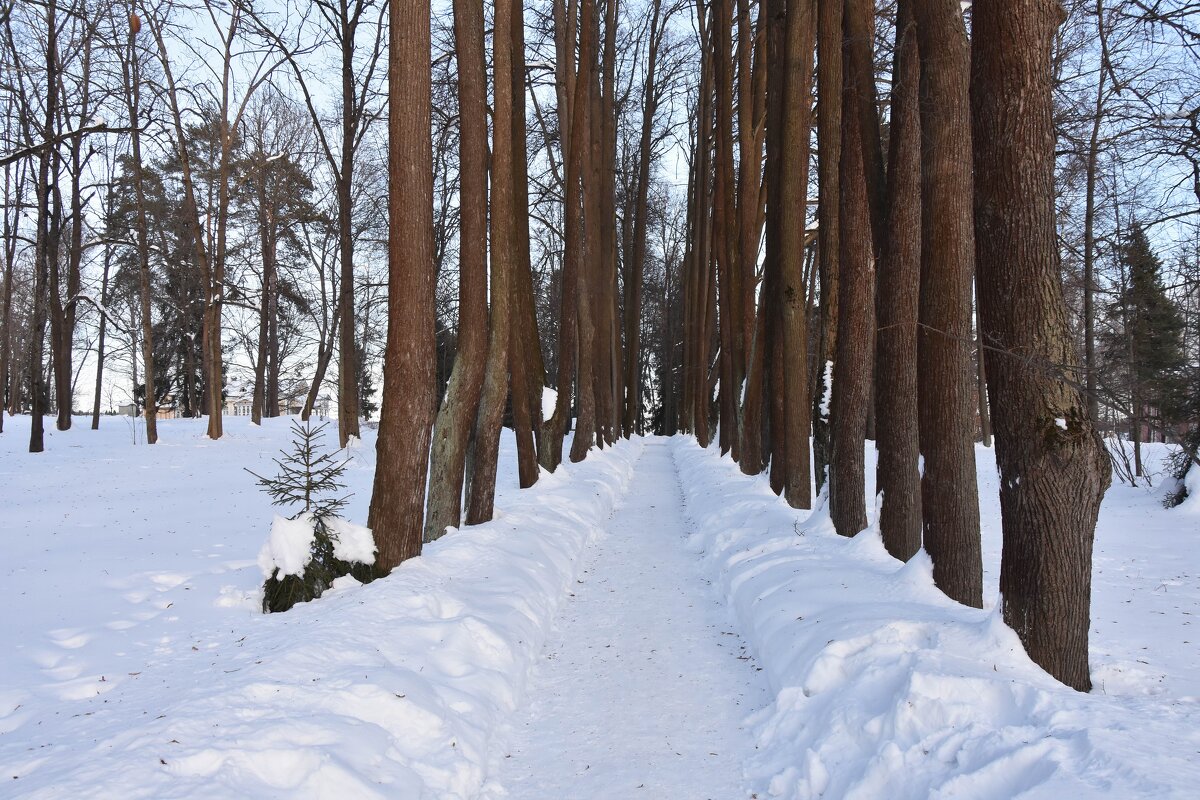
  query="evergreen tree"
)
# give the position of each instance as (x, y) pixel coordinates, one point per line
(1144, 350)
(311, 478)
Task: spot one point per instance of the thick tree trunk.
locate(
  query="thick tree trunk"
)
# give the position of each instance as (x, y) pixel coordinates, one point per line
(898, 476)
(583, 127)
(552, 431)
(409, 401)
(452, 431)
(1053, 468)
(729, 297)
(485, 444)
(528, 368)
(949, 492)
(793, 211)
(855, 336)
(774, 440)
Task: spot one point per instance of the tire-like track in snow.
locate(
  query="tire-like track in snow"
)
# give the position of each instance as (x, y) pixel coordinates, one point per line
(643, 690)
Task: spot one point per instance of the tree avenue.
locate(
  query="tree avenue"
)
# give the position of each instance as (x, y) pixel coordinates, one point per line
(608, 219)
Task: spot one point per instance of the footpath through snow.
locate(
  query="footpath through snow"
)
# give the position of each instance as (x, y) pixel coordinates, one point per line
(643, 690)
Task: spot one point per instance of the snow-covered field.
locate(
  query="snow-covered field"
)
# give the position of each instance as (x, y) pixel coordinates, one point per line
(138, 664)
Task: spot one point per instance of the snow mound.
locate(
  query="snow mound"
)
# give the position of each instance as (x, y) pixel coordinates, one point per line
(886, 688)
(393, 690)
(289, 547)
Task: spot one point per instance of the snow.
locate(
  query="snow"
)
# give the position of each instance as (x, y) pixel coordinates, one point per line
(883, 687)
(827, 391)
(289, 548)
(649, 622)
(549, 399)
(154, 677)
(639, 632)
(353, 543)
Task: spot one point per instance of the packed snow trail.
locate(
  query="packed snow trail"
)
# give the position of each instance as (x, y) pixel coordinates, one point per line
(643, 690)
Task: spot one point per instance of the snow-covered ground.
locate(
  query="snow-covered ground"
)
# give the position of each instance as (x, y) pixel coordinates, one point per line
(781, 659)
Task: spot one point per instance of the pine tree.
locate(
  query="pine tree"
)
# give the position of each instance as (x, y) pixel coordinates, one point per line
(1146, 349)
(309, 477)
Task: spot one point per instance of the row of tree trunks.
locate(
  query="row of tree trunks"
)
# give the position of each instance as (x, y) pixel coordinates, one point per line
(636, 259)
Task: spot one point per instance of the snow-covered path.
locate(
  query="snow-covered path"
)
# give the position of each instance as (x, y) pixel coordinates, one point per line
(643, 690)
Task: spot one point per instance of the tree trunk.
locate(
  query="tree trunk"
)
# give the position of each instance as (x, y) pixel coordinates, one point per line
(211, 276)
(101, 334)
(583, 121)
(1051, 479)
(409, 402)
(949, 491)
(525, 351)
(829, 146)
(45, 248)
(852, 365)
(324, 356)
(793, 210)
(898, 476)
(729, 298)
(348, 366)
(259, 404)
(481, 490)
(452, 431)
(552, 431)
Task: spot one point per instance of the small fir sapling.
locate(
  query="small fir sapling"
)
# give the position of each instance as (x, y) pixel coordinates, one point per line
(309, 550)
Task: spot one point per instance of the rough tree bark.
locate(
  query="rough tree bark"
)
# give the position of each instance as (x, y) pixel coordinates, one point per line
(724, 230)
(485, 445)
(855, 329)
(949, 491)
(528, 368)
(583, 122)
(552, 431)
(793, 210)
(829, 147)
(1053, 468)
(409, 381)
(898, 476)
(452, 430)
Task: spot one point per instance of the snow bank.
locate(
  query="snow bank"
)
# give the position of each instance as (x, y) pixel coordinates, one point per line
(392, 690)
(885, 688)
